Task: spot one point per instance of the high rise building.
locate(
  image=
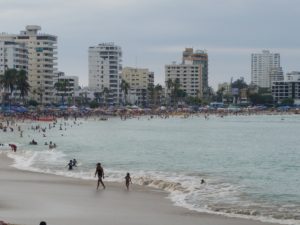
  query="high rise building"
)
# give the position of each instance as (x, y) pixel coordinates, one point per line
(105, 70)
(262, 65)
(41, 61)
(139, 80)
(199, 57)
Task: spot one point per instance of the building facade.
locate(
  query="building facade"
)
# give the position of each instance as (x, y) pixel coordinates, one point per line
(262, 66)
(189, 76)
(288, 88)
(105, 70)
(71, 85)
(198, 57)
(139, 81)
(41, 61)
(13, 55)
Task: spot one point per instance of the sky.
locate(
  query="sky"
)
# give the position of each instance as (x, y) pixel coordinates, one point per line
(153, 33)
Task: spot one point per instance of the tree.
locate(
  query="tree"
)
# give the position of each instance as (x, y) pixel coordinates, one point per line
(257, 99)
(105, 93)
(176, 91)
(151, 94)
(22, 84)
(39, 91)
(157, 93)
(97, 96)
(62, 86)
(169, 85)
(239, 83)
(287, 102)
(125, 87)
(8, 80)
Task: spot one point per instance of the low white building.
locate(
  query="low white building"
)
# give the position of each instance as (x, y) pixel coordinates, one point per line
(71, 86)
(288, 88)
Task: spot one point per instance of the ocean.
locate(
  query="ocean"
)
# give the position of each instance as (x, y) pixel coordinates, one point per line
(250, 164)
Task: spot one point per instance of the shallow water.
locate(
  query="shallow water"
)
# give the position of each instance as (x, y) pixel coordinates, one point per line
(251, 164)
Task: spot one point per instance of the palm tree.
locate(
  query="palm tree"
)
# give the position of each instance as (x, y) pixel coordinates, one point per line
(125, 87)
(40, 92)
(97, 96)
(62, 86)
(8, 81)
(170, 85)
(157, 93)
(105, 93)
(22, 84)
(151, 94)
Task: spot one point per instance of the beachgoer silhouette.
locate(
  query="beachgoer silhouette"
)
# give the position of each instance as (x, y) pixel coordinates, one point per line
(202, 181)
(100, 172)
(70, 165)
(127, 180)
(74, 162)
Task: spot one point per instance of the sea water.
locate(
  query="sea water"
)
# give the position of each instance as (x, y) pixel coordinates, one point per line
(250, 164)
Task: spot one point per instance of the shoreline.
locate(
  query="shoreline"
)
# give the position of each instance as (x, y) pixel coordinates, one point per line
(27, 197)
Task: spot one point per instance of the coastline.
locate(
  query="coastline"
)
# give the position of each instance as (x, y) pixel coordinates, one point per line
(29, 197)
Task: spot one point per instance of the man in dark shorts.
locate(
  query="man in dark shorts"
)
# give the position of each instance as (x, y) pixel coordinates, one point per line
(99, 171)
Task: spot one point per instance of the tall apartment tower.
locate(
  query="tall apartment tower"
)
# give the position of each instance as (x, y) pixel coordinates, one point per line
(41, 61)
(105, 70)
(198, 57)
(263, 67)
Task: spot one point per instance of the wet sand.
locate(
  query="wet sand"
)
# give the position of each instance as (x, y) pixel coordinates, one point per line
(27, 198)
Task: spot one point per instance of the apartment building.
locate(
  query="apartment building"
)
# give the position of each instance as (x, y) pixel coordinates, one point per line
(13, 55)
(41, 61)
(263, 67)
(198, 57)
(189, 75)
(105, 70)
(288, 88)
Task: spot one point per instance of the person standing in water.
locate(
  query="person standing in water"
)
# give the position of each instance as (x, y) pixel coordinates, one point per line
(127, 180)
(100, 172)
(70, 165)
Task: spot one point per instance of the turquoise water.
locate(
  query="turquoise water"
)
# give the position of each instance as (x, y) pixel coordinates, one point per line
(251, 164)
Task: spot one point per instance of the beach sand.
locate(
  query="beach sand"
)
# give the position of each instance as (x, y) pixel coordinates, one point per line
(27, 198)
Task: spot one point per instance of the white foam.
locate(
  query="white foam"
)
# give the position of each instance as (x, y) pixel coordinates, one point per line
(184, 190)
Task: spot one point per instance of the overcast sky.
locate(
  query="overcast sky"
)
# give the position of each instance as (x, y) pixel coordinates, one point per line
(153, 33)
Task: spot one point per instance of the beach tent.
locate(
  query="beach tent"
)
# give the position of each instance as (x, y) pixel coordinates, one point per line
(63, 107)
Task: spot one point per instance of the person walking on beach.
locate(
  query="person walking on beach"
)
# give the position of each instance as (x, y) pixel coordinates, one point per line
(127, 180)
(100, 172)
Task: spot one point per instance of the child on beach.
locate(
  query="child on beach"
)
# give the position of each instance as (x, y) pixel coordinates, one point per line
(127, 180)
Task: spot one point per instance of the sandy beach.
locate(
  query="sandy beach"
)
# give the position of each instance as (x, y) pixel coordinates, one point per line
(27, 198)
